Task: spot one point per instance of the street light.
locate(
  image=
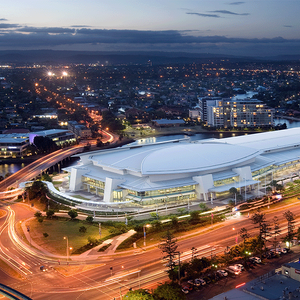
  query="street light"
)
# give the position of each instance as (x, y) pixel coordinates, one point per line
(66, 238)
(144, 229)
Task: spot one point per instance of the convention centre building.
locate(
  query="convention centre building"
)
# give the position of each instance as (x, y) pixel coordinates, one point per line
(183, 170)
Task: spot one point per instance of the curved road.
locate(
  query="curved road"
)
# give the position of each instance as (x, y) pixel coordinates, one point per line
(131, 270)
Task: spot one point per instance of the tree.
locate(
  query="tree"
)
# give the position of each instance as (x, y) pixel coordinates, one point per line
(279, 187)
(259, 219)
(175, 223)
(7, 174)
(46, 177)
(290, 217)
(139, 294)
(168, 291)
(273, 184)
(244, 235)
(169, 247)
(73, 214)
(82, 229)
(37, 190)
(276, 231)
(203, 207)
(50, 213)
(194, 217)
(89, 219)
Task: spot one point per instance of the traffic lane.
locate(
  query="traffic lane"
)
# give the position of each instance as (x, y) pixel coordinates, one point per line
(35, 168)
(228, 283)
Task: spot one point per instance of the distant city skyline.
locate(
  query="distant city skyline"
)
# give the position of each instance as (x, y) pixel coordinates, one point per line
(247, 28)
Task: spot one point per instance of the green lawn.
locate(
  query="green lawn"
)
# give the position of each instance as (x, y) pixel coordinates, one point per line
(56, 182)
(57, 229)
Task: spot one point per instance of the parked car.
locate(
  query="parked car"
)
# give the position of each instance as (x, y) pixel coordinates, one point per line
(194, 282)
(255, 259)
(240, 266)
(222, 273)
(202, 282)
(234, 270)
(284, 250)
(186, 288)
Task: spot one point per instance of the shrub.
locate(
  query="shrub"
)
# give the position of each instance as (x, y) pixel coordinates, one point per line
(89, 219)
(38, 214)
(82, 229)
(45, 234)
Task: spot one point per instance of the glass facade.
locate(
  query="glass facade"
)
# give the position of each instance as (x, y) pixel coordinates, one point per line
(162, 192)
(91, 185)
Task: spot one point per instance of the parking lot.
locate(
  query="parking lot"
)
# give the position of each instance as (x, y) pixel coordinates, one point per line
(231, 281)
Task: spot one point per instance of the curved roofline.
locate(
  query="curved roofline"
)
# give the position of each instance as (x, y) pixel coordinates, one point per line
(148, 163)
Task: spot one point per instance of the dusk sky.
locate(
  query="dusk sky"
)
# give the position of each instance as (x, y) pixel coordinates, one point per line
(256, 28)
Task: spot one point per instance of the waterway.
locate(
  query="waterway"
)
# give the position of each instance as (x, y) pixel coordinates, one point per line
(12, 168)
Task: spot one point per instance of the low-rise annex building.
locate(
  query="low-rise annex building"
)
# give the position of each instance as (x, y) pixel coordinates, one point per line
(183, 170)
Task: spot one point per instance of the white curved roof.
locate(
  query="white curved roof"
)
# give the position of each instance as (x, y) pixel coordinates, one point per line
(195, 157)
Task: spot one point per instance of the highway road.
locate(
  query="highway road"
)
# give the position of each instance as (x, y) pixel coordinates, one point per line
(34, 169)
(141, 268)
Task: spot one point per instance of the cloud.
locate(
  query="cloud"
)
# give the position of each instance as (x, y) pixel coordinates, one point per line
(288, 26)
(203, 15)
(122, 40)
(80, 26)
(227, 12)
(236, 3)
(3, 19)
(47, 30)
(59, 36)
(6, 26)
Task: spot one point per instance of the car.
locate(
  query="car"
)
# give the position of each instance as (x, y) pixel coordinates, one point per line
(274, 253)
(284, 250)
(239, 266)
(194, 282)
(186, 288)
(234, 270)
(43, 268)
(255, 259)
(202, 282)
(222, 273)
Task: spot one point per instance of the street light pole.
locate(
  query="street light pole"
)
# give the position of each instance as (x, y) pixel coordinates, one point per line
(144, 228)
(179, 267)
(66, 238)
